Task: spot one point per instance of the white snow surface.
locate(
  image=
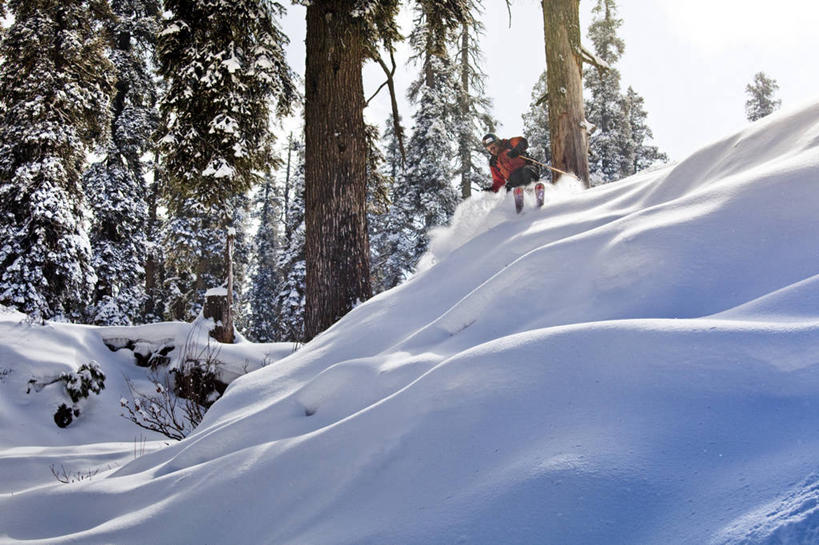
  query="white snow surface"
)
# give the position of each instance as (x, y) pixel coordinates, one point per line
(632, 364)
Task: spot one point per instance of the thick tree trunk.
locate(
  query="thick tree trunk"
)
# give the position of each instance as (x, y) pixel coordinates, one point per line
(217, 308)
(567, 120)
(337, 247)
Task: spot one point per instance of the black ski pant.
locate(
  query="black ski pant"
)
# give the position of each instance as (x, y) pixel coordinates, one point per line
(523, 176)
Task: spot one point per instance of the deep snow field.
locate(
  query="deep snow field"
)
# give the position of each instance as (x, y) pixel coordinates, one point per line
(633, 364)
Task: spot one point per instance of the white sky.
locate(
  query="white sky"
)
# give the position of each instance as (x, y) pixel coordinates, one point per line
(689, 59)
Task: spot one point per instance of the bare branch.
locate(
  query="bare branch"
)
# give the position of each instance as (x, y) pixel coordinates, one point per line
(396, 119)
(589, 57)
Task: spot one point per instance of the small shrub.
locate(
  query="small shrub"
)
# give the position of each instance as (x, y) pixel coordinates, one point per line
(161, 410)
(65, 476)
(65, 415)
(88, 379)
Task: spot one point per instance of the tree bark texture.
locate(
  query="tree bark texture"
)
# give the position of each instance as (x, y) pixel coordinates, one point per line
(217, 308)
(337, 245)
(567, 119)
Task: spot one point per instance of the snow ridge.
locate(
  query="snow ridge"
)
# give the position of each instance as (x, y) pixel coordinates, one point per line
(635, 363)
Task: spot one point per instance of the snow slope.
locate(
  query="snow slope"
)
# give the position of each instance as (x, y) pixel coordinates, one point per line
(636, 363)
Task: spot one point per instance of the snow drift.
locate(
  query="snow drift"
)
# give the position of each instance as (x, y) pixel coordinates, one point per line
(636, 363)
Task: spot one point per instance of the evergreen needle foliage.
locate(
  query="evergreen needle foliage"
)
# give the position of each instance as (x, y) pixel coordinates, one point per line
(55, 84)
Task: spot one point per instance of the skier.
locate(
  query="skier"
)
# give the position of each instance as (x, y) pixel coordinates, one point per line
(512, 169)
(507, 166)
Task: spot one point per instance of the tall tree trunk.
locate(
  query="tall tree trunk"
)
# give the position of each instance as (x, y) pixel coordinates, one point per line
(152, 261)
(567, 120)
(337, 246)
(287, 230)
(465, 150)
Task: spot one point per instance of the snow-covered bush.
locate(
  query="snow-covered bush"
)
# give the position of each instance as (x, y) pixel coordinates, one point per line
(79, 385)
(178, 401)
(89, 378)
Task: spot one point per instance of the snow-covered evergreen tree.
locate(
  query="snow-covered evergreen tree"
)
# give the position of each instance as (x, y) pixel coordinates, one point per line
(195, 245)
(224, 63)
(393, 162)
(116, 186)
(472, 116)
(56, 84)
(761, 100)
(265, 282)
(382, 234)
(643, 154)
(619, 145)
(289, 303)
(609, 144)
(536, 126)
(424, 194)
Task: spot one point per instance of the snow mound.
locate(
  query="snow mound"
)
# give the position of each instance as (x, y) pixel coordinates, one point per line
(636, 363)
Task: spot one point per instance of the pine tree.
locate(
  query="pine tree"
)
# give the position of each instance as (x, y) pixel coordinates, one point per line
(564, 59)
(472, 117)
(289, 303)
(265, 281)
(761, 101)
(224, 64)
(642, 153)
(424, 195)
(609, 145)
(394, 163)
(337, 242)
(56, 84)
(116, 185)
(155, 293)
(619, 146)
(382, 235)
(536, 125)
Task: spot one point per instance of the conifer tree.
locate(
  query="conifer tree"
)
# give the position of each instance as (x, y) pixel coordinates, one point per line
(564, 59)
(619, 145)
(337, 243)
(56, 84)
(224, 64)
(609, 144)
(116, 185)
(536, 125)
(424, 195)
(393, 162)
(265, 282)
(642, 153)
(761, 100)
(472, 117)
(289, 303)
(382, 234)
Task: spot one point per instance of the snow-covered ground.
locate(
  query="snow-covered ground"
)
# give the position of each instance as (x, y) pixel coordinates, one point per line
(633, 364)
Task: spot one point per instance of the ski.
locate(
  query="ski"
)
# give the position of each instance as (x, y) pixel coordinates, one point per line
(540, 193)
(518, 192)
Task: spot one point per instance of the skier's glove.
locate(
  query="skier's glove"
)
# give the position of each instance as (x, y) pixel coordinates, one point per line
(514, 152)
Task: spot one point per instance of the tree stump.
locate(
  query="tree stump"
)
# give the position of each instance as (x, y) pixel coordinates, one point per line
(217, 307)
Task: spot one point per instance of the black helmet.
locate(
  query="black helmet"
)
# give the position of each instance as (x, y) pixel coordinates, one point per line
(489, 138)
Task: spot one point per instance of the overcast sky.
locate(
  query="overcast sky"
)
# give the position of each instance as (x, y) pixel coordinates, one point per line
(689, 59)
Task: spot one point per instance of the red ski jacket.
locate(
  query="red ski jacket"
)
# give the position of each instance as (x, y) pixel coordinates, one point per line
(502, 166)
